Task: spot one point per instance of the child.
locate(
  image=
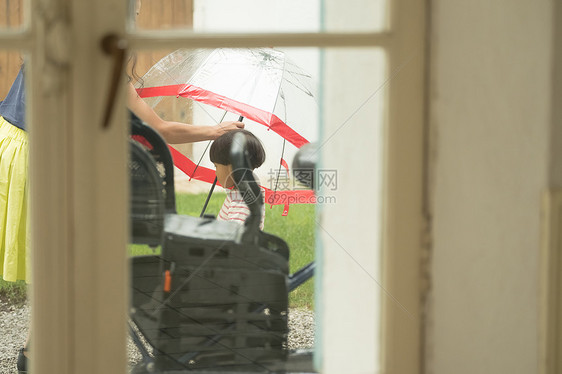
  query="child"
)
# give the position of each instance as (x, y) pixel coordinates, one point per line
(234, 208)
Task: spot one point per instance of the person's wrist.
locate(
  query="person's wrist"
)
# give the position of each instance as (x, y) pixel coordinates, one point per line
(214, 131)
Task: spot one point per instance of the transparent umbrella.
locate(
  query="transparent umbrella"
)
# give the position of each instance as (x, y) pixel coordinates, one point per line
(263, 85)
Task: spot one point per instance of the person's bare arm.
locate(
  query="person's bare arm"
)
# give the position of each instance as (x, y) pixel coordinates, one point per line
(176, 132)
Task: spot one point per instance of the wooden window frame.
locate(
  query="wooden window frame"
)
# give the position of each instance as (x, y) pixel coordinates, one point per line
(79, 185)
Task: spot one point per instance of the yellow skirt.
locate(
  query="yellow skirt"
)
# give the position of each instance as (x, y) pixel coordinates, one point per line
(14, 238)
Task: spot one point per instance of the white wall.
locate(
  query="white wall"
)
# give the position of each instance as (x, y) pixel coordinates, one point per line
(490, 109)
(350, 229)
(354, 107)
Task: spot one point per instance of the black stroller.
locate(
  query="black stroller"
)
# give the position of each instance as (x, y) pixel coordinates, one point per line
(216, 299)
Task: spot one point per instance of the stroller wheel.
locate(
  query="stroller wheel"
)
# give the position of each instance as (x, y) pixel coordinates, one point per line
(22, 362)
(143, 368)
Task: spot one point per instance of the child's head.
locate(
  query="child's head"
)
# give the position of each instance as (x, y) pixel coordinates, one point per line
(220, 155)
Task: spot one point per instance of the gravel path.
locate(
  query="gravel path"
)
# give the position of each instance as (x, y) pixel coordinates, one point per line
(14, 324)
(13, 332)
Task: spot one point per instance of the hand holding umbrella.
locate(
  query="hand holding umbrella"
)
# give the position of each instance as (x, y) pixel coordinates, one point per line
(177, 132)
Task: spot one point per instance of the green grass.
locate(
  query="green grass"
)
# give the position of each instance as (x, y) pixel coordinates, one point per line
(297, 229)
(13, 292)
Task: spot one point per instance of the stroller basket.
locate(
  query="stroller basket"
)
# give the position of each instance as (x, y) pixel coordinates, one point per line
(210, 302)
(152, 183)
(147, 197)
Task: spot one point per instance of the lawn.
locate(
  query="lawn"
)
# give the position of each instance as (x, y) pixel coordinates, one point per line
(12, 292)
(297, 229)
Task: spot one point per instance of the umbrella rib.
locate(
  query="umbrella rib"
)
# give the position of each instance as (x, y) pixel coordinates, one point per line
(275, 104)
(200, 159)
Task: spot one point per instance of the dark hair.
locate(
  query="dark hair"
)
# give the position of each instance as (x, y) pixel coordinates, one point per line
(132, 75)
(220, 149)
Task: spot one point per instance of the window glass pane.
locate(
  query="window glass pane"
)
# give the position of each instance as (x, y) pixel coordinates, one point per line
(332, 98)
(12, 15)
(289, 94)
(200, 280)
(354, 15)
(10, 64)
(257, 16)
(14, 228)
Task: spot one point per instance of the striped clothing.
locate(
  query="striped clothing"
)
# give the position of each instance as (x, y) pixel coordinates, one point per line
(235, 209)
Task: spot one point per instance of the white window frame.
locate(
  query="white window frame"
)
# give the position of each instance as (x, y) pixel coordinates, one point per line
(79, 181)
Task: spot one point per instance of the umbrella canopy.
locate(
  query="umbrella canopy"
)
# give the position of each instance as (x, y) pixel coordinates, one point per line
(273, 94)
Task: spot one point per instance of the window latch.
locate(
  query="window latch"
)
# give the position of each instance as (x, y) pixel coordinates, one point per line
(115, 46)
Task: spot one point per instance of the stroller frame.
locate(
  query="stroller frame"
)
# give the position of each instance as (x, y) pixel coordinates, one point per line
(216, 298)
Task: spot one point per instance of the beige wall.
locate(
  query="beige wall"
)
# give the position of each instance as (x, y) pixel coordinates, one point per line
(491, 109)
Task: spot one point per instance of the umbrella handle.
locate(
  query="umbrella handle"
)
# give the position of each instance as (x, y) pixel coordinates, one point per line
(246, 183)
(208, 197)
(214, 184)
